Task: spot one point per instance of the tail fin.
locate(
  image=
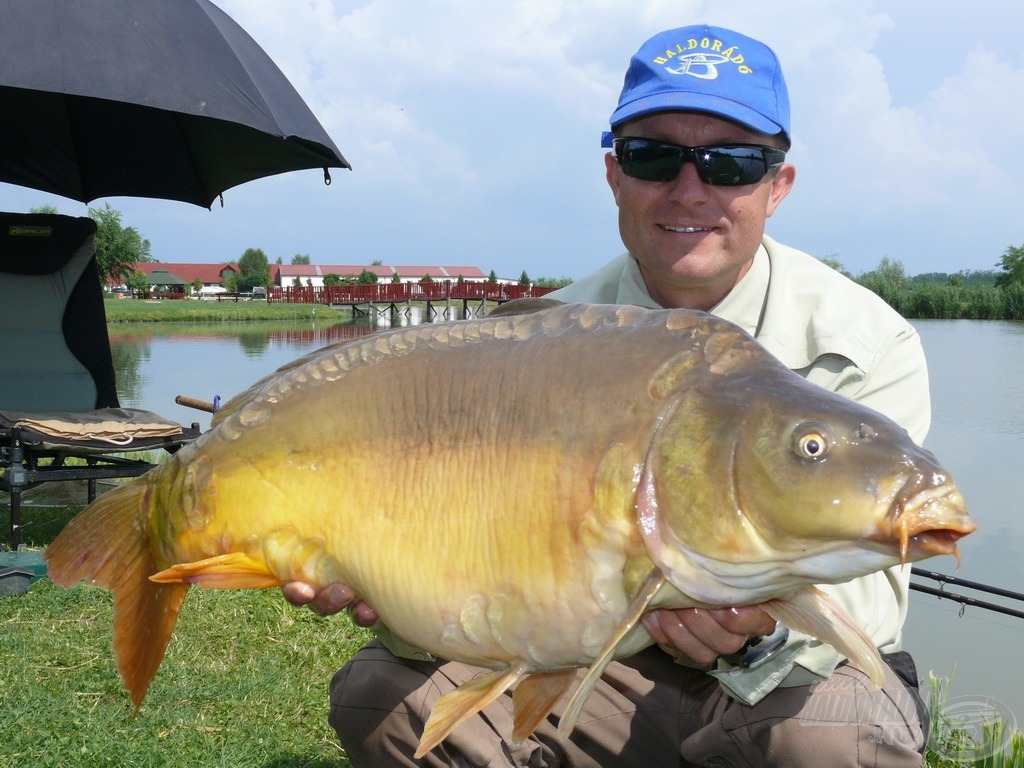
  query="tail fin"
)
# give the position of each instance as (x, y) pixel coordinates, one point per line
(108, 545)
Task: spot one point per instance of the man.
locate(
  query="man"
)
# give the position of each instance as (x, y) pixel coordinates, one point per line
(697, 166)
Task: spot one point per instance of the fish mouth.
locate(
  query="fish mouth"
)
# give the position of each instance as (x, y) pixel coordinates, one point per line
(933, 542)
(927, 522)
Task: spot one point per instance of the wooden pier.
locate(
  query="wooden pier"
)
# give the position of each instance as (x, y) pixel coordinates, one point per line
(384, 298)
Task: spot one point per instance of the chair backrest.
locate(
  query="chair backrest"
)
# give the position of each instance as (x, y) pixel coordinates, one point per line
(54, 348)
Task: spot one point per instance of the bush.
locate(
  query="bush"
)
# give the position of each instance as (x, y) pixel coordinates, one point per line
(1013, 302)
(984, 304)
(895, 294)
(932, 300)
(949, 301)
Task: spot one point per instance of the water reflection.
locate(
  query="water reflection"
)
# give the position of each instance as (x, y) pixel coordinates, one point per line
(131, 343)
(129, 357)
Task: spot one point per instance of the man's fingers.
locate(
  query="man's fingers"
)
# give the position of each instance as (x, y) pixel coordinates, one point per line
(333, 598)
(327, 601)
(298, 593)
(653, 627)
(746, 620)
(363, 614)
(704, 635)
(686, 631)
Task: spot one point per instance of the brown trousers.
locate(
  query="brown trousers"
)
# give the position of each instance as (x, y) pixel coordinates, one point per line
(647, 711)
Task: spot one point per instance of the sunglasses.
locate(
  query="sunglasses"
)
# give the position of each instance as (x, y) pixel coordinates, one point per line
(727, 165)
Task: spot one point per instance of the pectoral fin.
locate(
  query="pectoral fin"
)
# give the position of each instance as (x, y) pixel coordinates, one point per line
(454, 708)
(535, 697)
(235, 570)
(814, 613)
(652, 584)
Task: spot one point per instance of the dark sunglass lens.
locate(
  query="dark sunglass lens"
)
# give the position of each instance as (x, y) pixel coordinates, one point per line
(650, 161)
(732, 166)
(725, 166)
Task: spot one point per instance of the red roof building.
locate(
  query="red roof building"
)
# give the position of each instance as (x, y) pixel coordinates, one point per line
(285, 275)
(313, 274)
(209, 274)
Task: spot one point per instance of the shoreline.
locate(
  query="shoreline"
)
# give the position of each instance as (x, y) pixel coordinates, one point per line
(194, 310)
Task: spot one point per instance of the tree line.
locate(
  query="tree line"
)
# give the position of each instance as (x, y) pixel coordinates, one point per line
(965, 295)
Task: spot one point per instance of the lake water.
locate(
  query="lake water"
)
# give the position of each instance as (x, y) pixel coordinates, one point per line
(977, 376)
(977, 373)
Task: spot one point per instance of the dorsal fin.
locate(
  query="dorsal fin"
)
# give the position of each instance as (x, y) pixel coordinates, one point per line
(523, 307)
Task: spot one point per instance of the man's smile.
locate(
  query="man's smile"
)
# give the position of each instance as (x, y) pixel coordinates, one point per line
(668, 228)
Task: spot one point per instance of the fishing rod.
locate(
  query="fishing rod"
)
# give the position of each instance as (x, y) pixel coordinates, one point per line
(966, 600)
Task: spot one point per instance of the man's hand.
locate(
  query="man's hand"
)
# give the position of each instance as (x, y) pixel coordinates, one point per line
(704, 635)
(330, 600)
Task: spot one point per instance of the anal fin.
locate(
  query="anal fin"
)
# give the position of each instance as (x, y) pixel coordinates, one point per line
(814, 613)
(535, 697)
(650, 587)
(235, 570)
(456, 707)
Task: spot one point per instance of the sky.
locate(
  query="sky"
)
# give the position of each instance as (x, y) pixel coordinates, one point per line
(473, 129)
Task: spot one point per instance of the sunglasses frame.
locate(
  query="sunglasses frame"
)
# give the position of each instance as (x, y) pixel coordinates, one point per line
(770, 157)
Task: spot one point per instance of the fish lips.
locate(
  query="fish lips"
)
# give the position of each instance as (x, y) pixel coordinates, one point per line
(928, 522)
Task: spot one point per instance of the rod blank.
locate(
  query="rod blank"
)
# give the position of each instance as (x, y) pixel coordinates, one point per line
(943, 579)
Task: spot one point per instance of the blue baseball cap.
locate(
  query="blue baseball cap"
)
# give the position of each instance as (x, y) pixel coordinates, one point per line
(706, 69)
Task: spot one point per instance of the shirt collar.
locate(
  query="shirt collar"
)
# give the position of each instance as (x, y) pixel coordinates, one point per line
(632, 289)
(743, 305)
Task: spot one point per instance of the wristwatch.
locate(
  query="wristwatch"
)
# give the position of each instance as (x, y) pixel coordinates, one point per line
(757, 650)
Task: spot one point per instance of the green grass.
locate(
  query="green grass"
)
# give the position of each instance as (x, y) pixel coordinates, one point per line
(244, 683)
(194, 310)
(968, 734)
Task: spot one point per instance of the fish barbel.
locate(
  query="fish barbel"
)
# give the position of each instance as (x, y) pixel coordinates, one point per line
(514, 492)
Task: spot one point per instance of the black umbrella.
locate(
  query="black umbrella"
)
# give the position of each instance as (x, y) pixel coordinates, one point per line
(168, 99)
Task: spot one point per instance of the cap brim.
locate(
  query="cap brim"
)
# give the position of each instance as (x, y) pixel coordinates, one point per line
(696, 102)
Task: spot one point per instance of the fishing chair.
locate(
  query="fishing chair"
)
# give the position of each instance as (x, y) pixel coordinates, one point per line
(60, 418)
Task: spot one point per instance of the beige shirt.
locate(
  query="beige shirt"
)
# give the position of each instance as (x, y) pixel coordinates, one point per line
(844, 338)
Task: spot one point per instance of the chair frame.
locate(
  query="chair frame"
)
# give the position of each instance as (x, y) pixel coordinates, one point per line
(21, 455)
(29, 458)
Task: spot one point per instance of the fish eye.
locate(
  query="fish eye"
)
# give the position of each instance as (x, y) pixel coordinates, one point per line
(812, 441)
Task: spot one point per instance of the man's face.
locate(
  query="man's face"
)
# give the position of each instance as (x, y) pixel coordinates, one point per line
(693, 241)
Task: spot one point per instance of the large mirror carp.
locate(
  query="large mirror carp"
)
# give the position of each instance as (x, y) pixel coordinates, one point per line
(515, 491)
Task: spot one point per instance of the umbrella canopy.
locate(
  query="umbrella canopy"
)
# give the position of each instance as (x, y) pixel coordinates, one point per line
(168, 99)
